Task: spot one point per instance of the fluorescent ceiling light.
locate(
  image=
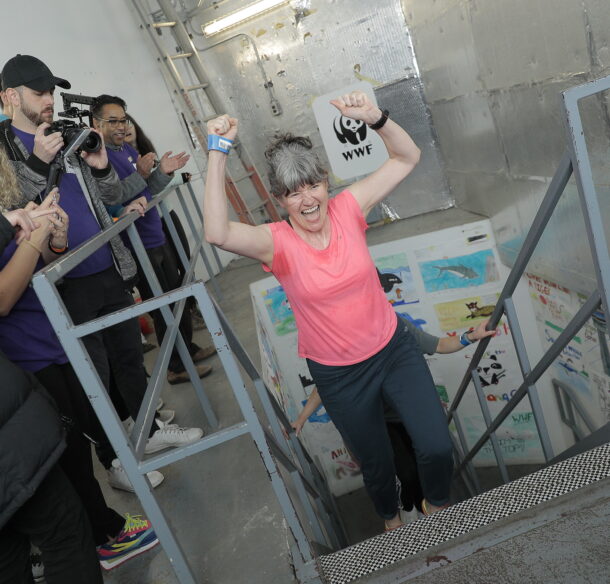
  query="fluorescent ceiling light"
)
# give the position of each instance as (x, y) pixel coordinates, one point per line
(240, 16)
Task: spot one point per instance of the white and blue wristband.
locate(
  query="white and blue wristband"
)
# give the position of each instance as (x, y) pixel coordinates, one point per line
(464, 340)
(216, 142)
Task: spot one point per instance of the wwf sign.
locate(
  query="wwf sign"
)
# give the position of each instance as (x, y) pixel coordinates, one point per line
(353, 149)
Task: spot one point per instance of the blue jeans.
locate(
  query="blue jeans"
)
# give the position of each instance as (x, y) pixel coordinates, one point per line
(353, 396)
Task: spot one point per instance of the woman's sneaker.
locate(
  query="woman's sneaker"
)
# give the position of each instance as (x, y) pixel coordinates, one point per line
(171, 436)
(136, 537)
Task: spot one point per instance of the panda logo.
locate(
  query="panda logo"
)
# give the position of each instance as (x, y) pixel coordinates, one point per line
(491, 372)
(348, 130)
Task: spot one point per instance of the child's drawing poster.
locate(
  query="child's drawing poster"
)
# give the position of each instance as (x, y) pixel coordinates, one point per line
(279, 310)
(397, 280)
(465, 312)
(444, 282)
(465, 271)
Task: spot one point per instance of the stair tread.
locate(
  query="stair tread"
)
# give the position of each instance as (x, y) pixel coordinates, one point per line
(366, 557)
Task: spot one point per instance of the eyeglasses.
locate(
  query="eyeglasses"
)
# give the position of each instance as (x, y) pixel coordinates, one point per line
(296, 195)
(114, 123)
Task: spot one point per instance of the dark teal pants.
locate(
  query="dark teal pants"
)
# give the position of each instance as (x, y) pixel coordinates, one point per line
(353, 396)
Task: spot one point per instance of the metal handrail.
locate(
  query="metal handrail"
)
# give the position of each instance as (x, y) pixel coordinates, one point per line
(563, 391)
(575, 162)
(308, 486)
(554, 191)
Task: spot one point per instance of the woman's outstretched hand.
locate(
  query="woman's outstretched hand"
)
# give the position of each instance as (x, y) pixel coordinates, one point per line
(357, 106)
(480, 332)
(223, 126)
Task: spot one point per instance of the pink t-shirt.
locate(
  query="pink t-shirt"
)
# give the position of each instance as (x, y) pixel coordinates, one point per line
(340, 309)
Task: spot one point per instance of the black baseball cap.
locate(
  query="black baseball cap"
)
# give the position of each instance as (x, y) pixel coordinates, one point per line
(31, 72)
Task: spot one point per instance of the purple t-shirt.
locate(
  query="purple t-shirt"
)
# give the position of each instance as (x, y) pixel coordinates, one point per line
(149, 227)
(83, 223)
(26, 335)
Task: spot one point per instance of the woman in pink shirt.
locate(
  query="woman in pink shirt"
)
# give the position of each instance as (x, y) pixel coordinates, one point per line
(357, 354)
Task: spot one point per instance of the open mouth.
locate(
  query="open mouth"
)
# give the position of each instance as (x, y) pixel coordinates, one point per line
(310, 211)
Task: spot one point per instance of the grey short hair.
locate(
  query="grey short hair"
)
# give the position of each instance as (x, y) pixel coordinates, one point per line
(293, 164)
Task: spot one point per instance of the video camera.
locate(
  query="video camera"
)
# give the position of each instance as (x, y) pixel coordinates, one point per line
(72, 131)
(77, 136)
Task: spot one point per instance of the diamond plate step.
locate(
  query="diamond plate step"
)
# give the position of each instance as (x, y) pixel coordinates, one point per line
(366, 558)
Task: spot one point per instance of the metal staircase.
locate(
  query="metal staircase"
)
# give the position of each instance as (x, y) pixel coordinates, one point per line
(579, 476)
(576, 163)
(302, 493)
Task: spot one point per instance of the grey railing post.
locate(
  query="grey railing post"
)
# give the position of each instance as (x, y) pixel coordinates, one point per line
(476, 380)
(532, 391)
(594, 218)
(189, 186)
(553, 193)
(272, 446)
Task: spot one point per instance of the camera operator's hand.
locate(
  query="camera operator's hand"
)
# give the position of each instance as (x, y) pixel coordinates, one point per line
(145, 164)
(168, 163)
(137, 205)
(46, 147)
(97, 159)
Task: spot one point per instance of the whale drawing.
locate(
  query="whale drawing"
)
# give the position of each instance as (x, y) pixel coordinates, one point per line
(459, 270)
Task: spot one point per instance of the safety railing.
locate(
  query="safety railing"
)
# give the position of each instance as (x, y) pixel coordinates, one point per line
(569, 406)
(275, 439)
(575, 162)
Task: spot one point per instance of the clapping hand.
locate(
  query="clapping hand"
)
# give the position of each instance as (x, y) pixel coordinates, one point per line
(168, 163)
(24, 221)
(145, 164)
(357, 106)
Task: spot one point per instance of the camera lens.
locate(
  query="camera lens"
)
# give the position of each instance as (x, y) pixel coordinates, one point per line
(92, 143)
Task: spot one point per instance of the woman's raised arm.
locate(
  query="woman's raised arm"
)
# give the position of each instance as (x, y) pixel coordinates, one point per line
(251, 241)
(404, 153)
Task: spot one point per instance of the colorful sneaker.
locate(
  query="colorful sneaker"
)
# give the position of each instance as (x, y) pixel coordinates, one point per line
(136, 537)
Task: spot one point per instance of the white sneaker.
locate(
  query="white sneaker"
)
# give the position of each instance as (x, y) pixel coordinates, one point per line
(171, 436)
(117, 477)
(165, 416)
(409, 516)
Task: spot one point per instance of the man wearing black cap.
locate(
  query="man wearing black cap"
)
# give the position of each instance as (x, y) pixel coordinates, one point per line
(28, 87)
(95, 287)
